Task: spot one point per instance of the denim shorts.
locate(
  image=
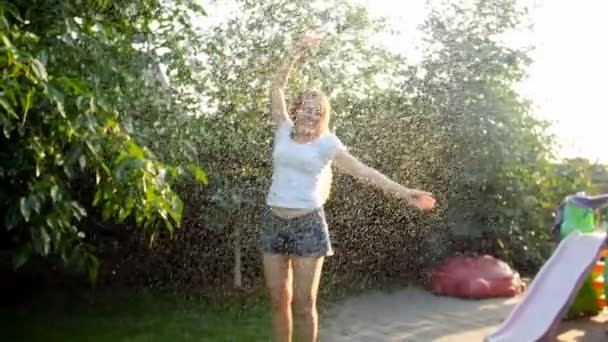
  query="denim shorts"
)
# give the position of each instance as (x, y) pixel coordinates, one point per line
(302, 236)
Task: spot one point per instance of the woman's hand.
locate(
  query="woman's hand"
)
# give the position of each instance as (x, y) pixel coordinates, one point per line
(309, 41)
(421, 199)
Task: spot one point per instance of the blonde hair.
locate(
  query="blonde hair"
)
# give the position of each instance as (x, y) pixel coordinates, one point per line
(323, 103)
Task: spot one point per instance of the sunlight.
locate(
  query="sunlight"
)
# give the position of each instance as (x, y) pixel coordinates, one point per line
(564, 79)
(569, 64)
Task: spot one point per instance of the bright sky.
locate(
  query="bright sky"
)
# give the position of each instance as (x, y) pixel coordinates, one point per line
(571, 65)
(570, 62)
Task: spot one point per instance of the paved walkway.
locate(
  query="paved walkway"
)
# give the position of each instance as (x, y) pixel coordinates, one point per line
(418, 316)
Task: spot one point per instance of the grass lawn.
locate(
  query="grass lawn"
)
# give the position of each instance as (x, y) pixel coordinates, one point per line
(135, 316)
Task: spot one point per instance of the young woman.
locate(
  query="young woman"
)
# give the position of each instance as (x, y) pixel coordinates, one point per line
(294, 238)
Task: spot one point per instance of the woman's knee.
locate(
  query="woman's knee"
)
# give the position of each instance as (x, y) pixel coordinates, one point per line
(278, 281)
(280, 298)
(307, 273)
(304, 305)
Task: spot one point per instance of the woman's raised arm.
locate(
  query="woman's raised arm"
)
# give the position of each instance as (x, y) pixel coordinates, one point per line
(351, 165)
(279, 82)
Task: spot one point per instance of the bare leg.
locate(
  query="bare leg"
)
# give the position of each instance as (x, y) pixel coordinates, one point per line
(307, 274)
(277, 273)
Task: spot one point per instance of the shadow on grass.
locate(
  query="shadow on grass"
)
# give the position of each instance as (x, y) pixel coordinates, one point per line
(134, 315)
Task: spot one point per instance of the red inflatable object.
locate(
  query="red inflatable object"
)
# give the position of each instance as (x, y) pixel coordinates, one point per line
(476, 277)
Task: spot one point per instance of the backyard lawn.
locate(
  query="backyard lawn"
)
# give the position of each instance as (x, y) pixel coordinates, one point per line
(130, 316)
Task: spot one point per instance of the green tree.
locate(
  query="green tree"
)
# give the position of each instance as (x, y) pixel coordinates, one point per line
(498, 176)
(71, 70)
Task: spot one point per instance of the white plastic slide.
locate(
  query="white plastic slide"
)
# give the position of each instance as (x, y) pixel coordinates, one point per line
(546, 301)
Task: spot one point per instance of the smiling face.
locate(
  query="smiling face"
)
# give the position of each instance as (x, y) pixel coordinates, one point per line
(311, 113)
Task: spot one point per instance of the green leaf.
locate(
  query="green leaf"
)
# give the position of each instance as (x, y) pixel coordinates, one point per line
(46, 241)
(199, 174)
(23, 255)
(80, 211)
(75, 85)
(177, 208)
(98, 196)
(25, 209)
(27, 105)
(123, 213)
(4, 23)
(50, 222)
(91, 122)
(68, 171)
(43, 57)
(170, 227)
(135, 150)
(8, 108)
(13, 10)
(34, 203)
(501, 244)
(58, 98)
(39, 70)
(125, 166)
(94, 149)
(106, 211)
(7, 126)
(55, 193)
(82, 160)
(7, 42)
(152, 241)
(139, 218)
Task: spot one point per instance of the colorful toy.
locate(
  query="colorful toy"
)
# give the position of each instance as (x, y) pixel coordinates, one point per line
(577, 212)
(475, 277)
(570, 282)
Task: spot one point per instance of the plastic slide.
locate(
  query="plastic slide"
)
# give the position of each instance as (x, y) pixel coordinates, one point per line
(546, 301)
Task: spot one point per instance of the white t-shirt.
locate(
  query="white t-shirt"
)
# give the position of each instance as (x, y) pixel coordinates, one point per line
(301, 177)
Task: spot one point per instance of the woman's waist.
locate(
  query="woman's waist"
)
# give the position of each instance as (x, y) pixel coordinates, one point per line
(288, 213)
(299, 182)
(297, 200)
